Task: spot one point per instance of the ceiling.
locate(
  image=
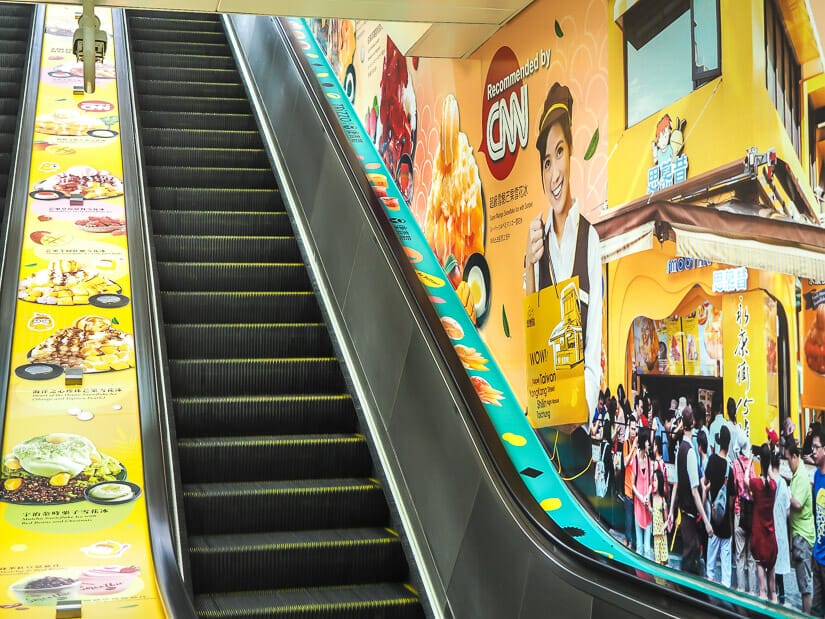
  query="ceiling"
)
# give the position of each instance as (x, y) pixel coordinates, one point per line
(433, 28)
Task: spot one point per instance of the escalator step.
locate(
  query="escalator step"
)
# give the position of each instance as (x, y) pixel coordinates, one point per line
(10, 89)
(200, 138)
(10, 75)
(6, 141)
(204, 157)
(270, 414)
(295, 559)
(150, 59)
(197, 120)
(284, 505)
(252, 341)
(17, 10)
(190, 176)
(272, 458)
(226, 276)
(227, 248)
(174, 47)
(173, 22)
(13, 60)
(224, 307)
(9, 32)
(14, 46)
(217, 377)
(192, 89)
(221, 222)
(9, 105)
(173, 103)
(148, 76)
(374, 601)
(8, 124)
(216, 199)
(158, 33)
(161, 15)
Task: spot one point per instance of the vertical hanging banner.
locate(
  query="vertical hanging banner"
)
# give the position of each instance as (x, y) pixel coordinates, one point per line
(746, 376)
(73, 521)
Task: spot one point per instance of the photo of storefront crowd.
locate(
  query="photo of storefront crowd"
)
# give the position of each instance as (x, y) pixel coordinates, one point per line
(698, 496)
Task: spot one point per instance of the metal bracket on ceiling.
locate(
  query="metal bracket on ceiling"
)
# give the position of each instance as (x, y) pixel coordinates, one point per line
(89, 38)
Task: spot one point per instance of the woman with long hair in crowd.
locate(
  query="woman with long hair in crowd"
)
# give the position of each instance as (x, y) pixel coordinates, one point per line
(763, 533)
(629, 449)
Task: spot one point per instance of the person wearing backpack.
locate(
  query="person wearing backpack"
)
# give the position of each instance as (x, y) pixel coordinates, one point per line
(722, 491)
(781, 507)
(742, 512)
(686, 496)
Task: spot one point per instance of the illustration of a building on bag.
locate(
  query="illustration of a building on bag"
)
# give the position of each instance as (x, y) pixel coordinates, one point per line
(566, 339)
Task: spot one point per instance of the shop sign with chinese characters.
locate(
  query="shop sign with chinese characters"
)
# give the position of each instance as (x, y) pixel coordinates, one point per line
(730, 280)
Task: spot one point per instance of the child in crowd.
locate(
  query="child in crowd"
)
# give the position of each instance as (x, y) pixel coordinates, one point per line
(659, 503)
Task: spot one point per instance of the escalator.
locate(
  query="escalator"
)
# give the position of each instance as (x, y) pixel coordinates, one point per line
(283, 511)
(15, 28)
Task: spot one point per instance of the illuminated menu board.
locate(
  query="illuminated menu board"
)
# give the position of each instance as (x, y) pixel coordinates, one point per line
(73, 521)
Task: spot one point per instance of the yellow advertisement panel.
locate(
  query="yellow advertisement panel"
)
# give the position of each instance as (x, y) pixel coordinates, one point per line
(73, 522)
(746, 374)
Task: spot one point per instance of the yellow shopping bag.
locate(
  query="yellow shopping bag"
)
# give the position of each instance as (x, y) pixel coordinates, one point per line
(554, 342)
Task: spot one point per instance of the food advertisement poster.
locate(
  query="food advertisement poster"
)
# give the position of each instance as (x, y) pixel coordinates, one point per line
(812, 345)
(73, 522)
(462, 141)
(670, 334)
(691, 337)
(557, 464)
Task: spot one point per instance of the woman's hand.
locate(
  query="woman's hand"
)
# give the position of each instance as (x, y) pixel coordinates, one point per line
(535, 242)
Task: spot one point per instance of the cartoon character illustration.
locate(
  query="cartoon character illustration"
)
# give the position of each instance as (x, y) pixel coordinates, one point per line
(669, 140)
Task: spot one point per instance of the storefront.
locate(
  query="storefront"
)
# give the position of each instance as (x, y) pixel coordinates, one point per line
(703, 299)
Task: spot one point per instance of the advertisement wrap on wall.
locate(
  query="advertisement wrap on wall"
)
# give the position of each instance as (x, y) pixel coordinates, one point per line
(494, 170)
(73, 521)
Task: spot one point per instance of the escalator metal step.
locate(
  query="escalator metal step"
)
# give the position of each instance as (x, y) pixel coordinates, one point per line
(284, 505)
(200, 138)
(175, 48)
(254, 341)
(273, 458)
(177, 103)
(293, 559)
(265, 414)
(221, 222)
(209, 176)
(373, 601)
(205, 157)
(221, 377)
(225, 276)
(229, 248)
(172, 21)
(145, 61)
(239, 199)
(215, 307)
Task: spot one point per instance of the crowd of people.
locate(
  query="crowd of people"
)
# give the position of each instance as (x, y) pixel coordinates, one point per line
(727, 505)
